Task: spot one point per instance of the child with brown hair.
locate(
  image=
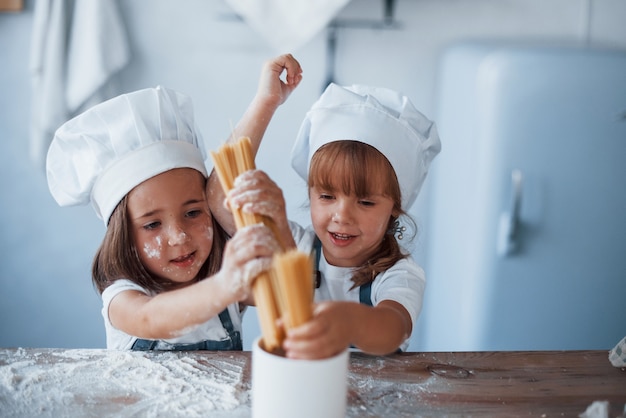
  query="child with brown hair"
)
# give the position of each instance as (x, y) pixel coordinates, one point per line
(364, 153)
(168, 277)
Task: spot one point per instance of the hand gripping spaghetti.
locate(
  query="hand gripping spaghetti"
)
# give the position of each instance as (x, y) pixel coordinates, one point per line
(287, 291)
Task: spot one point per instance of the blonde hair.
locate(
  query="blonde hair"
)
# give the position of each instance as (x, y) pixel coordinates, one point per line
(347, 166)
(117, 257)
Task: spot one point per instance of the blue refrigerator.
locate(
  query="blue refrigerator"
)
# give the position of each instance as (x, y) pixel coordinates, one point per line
(527, 240)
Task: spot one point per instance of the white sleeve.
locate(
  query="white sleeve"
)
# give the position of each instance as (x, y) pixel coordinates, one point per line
(404, 283)
(117, 339)
(304, 237)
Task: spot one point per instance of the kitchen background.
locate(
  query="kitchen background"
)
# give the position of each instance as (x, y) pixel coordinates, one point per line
(204, 49)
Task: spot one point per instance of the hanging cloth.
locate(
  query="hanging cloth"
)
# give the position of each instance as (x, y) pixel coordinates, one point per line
(77, 47)
(287, 24)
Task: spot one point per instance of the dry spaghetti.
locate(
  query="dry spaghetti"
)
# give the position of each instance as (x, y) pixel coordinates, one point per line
(287, 292)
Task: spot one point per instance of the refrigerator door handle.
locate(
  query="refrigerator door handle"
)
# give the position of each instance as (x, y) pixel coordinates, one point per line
(509, 224)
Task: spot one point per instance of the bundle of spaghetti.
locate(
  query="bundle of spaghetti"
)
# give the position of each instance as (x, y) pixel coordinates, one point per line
(230, 161)
(292, 274)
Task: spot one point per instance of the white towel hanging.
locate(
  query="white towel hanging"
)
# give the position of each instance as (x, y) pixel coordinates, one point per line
(287, 24)
(77, 46)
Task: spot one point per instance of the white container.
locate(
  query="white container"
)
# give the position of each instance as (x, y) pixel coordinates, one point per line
(283, 387)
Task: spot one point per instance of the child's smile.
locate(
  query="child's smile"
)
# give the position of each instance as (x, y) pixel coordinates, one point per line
(341, 239)
(184, 261)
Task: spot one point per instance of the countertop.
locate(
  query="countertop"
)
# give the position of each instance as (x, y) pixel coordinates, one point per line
(99, 382)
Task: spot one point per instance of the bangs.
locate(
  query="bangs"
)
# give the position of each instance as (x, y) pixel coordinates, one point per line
(353, 168)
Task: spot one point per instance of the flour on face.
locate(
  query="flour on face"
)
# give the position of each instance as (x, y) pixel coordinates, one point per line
(153, 251)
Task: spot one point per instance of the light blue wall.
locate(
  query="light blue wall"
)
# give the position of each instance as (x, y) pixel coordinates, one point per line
(46, 297)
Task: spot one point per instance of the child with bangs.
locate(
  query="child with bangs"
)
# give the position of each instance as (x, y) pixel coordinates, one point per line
(364, 153)
(341, 185)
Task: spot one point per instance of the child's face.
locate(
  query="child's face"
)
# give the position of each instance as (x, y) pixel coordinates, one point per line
(350, 228)
(171, 224)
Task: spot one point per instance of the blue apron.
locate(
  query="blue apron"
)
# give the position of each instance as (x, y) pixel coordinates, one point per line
(233, 342)
(365, 291)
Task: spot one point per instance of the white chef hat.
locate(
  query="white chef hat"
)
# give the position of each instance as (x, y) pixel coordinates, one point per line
(380, 117)
(103, 153)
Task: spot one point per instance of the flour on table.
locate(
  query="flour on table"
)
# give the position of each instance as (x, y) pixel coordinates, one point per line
(176, 385)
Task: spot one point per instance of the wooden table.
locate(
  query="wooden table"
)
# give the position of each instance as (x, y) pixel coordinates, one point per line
(59, 382)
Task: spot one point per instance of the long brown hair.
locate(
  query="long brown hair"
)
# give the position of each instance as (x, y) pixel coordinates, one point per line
(356, 168)
(117, 256)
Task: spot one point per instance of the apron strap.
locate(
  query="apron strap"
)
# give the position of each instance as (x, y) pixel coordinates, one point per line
(365, 291)
(233, 342)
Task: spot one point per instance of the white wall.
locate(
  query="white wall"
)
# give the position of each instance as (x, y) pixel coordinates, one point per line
(46, 297)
